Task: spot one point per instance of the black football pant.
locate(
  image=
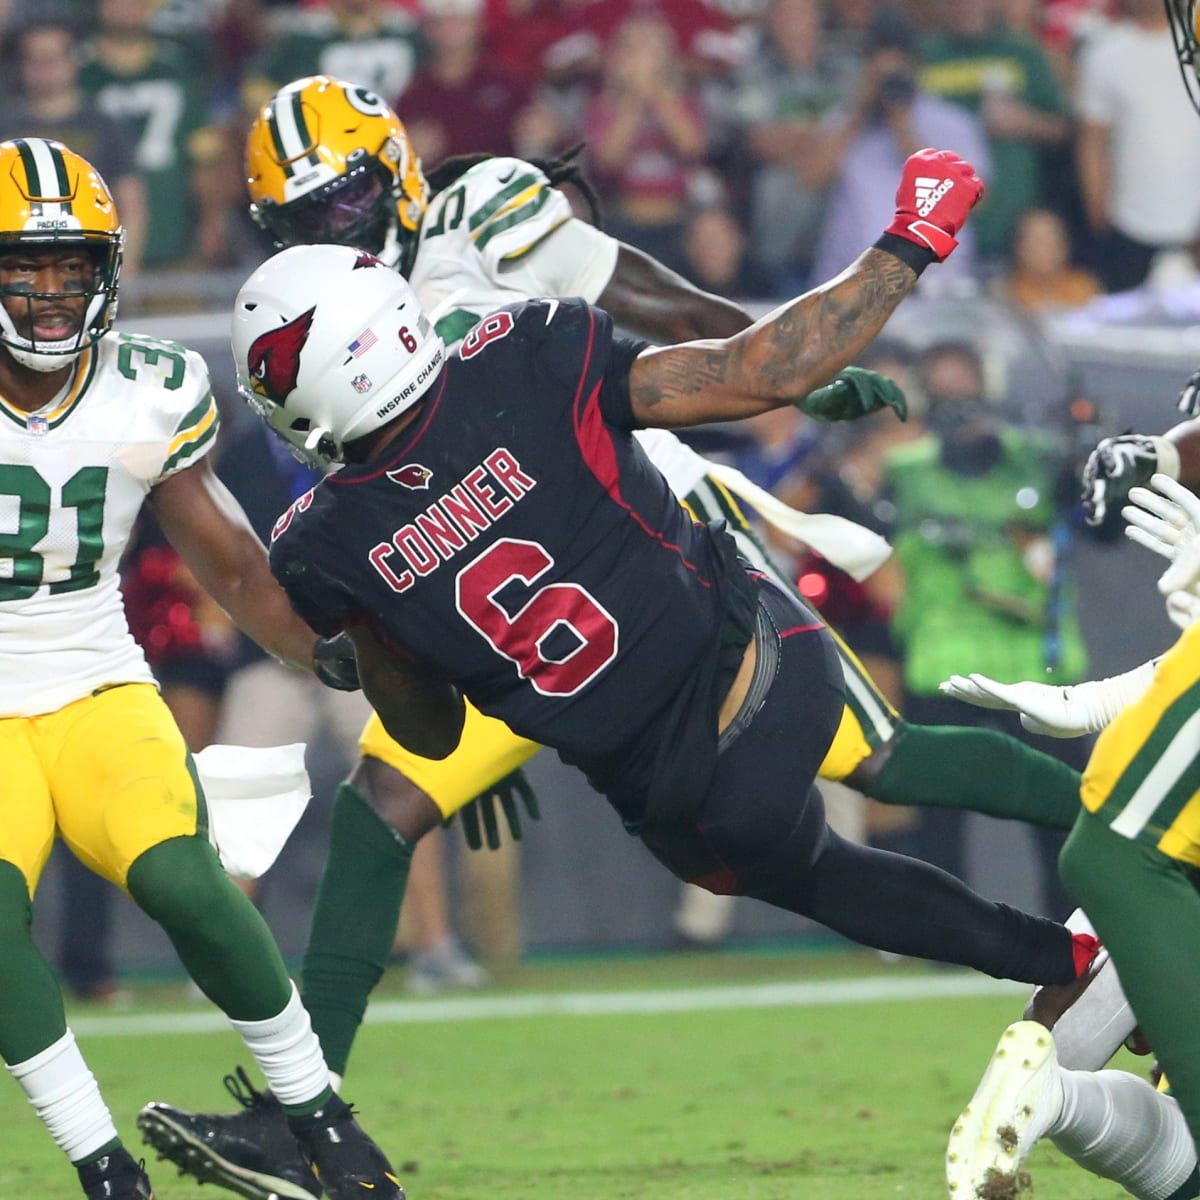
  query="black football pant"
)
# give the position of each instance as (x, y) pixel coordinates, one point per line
(761, 829)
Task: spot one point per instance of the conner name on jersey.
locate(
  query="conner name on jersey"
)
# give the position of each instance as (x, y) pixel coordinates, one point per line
(454, 520)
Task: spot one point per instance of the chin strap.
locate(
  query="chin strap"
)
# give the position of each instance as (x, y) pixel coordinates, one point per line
(322, 447)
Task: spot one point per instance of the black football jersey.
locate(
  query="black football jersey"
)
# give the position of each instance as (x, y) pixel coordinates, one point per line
(515, 537)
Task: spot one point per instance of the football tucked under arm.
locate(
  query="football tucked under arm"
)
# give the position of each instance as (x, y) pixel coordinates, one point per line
(420, 709)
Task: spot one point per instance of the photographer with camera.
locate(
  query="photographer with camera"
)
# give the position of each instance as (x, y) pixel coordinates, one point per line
(977, 502)
(862, 148)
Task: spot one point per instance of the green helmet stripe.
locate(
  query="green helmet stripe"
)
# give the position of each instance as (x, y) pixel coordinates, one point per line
(276, 138)
(30, 164)
(60, 171)
(46, 170)
(289, 132)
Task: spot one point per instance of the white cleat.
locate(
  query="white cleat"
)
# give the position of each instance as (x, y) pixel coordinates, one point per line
(1018, 1099)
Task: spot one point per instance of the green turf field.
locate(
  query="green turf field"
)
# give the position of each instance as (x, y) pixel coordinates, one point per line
(749, 1076)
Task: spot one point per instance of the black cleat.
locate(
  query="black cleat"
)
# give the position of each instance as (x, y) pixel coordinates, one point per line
(116, 1176)
(346, 1161)
(252, 1152)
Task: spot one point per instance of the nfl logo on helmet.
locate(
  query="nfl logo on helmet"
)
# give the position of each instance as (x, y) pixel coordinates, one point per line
(360, 383)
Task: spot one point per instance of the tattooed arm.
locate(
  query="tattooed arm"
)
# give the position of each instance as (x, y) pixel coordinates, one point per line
(779, 358)
(801, 346)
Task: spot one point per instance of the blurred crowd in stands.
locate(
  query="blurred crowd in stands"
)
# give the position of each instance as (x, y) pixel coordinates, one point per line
(754, 146)
(751, 144)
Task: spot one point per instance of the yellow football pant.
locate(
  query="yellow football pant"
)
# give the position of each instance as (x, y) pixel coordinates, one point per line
(110, 774)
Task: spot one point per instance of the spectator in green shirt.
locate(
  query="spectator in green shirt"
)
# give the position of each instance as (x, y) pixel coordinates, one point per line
(364, 41)
(975, 507)
(146, 85)
(972, 58)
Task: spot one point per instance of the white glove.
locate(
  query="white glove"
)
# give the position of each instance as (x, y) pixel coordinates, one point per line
(1045, 708)
(1183, 608)
(1167, 521)
(1158, 521)
(1052, 709)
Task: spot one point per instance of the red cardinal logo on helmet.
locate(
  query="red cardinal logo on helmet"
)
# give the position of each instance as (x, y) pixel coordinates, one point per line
(274, 357)
(367, 260)
(412, 476)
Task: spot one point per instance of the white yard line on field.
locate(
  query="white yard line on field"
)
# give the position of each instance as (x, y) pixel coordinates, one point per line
(589, 1004)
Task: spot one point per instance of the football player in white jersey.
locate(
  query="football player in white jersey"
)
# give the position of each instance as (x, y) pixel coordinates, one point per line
(93, 422)
(328, 161)
(1131, 860)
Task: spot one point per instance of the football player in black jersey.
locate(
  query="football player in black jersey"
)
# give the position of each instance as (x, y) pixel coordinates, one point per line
(495, 532)
(873, 750)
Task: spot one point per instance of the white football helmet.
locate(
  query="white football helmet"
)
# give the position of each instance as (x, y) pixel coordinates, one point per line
(330, 345)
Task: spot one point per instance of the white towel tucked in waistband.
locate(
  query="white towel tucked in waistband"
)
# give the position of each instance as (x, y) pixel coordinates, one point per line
(255, 795)
(852, 548)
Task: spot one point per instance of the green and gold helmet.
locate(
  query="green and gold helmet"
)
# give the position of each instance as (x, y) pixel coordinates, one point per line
(329, 161)
(52, 199)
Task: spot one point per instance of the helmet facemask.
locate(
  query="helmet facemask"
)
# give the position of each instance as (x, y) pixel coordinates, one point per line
(354, 210)
(19, 301)
(311, 445)
(1182, 15)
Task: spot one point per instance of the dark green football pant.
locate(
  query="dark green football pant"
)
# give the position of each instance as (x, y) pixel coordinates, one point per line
(981, 770)
(1146, 910)
(219, 935)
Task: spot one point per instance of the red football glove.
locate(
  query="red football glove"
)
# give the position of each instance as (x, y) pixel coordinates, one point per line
(937, 190)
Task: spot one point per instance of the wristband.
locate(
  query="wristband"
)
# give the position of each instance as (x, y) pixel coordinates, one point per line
(1167, 457)
(909, 253)
(1104, 698)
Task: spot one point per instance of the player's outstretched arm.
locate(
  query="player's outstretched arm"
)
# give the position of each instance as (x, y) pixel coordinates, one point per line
(1185, 437)
(213, 535)
(1054, 710)
(803, 344)
(1121, 463)
(654, 302)
(420, 709)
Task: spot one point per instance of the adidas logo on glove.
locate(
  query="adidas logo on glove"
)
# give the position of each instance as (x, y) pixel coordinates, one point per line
(928, 192)
(937, 190)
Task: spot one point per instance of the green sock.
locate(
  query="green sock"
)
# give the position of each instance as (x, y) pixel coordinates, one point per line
(1147, 913)
(354, 921)
(31, 1005)
(104, 1151)
(217, 932)
(947, 766)
(1189, 1189)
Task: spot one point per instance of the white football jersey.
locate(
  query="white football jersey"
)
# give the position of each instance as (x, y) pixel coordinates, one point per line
(501, 233)
(73, 476)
